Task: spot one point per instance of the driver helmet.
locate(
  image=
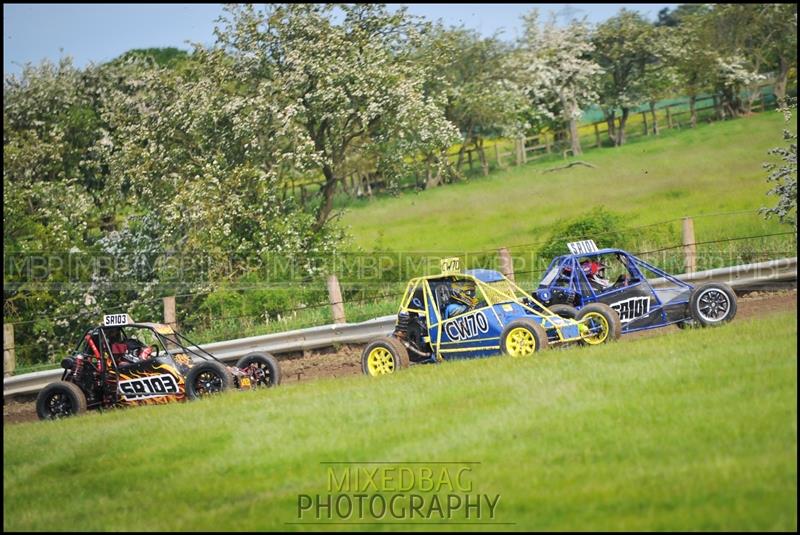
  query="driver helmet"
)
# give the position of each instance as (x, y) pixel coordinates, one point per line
(463, 296)
(596, 272)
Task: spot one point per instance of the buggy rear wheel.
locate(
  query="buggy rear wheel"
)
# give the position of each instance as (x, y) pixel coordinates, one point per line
(602, 321)
(59, 400)
(384, 356)
(262, 368)
(209, 377)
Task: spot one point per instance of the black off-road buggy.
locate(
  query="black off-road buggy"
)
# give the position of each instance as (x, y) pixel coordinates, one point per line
(122, 363)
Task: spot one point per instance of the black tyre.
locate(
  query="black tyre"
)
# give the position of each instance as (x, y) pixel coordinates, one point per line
(384, 356)
(59, 400)
(603, 323)
(522, 338)
(209, 377)
(565, 311)
(263, 368)
(713, 303)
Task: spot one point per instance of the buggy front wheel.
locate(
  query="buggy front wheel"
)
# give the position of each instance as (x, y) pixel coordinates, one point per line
(522, 338)
(601, 322)
(713, 303)
(59, 400)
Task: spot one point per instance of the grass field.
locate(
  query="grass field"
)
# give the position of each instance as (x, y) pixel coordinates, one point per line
(714, 168)
(689, 431)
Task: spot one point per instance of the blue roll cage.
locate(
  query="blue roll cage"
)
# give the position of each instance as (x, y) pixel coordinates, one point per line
(579, 284)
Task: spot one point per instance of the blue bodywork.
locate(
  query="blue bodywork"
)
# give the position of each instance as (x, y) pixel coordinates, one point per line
(477, 331)
(642, 302)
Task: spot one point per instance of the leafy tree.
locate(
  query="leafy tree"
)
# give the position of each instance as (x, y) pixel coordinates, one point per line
(764, 34)
(675, 17)
(163, 57)
(624, 47)
(660, 79)
(474, 81)
(557, 71)
(689, 50)
(351, 88)
(784, 176)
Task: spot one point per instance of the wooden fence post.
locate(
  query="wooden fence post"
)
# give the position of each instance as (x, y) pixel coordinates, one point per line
(506, 265)
(9, 353)
(518, 145)
(596, 135)
(548, 143)
(469, 157)
(497, 155)
(689, 247)
(644, 118)
(669, 118)
(522, 149)
(335, 296)
(169, 312)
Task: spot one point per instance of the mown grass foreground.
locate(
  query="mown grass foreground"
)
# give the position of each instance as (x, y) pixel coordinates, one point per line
(695, 430)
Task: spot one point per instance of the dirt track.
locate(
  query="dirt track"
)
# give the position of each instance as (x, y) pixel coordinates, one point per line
(346, 360)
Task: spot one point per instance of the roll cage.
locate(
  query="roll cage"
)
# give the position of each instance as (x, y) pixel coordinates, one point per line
(95, 343)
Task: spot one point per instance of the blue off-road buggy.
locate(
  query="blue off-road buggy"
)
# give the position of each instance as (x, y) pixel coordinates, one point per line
(477, 313)
(644, 296)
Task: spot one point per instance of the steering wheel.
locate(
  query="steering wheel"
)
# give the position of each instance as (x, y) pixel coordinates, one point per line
(622, 280)
(443, 295)
(154, 354)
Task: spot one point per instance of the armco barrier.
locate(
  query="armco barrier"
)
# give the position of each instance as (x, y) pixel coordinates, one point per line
(739, 277)
(232, 350)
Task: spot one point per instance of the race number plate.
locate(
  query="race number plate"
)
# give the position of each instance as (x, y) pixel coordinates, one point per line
(245, 382)
(449, 265)
(581, 247)
(112, 320)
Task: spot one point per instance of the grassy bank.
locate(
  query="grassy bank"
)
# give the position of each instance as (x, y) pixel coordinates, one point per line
(691, 431)
(714, 168)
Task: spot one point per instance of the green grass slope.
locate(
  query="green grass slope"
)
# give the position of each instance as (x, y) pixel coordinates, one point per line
(690, 431)
(714, 168)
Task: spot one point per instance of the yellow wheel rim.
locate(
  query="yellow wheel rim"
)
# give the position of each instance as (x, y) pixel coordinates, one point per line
(596, 321)
(520, 342)
(380, 361)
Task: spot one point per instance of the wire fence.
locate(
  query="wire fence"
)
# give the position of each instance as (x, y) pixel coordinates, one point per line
(261, 306)
(380, 296)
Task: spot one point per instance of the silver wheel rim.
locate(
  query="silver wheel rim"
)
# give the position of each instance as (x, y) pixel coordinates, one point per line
(713, 305)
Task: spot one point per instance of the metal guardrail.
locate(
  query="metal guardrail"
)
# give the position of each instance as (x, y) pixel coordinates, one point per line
(747, 276)
(232, 350)
(739, 277)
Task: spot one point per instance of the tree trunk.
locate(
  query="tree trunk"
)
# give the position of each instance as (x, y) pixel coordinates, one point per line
(731, 103)
(369, 184)
(780, 80)
(328, 191)
(755, 92)
(692, 110)
(653, 116)
(431, 181)
(467, 138)
(611, 121)
(574, 137)
(482, 155)
(620, 138)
